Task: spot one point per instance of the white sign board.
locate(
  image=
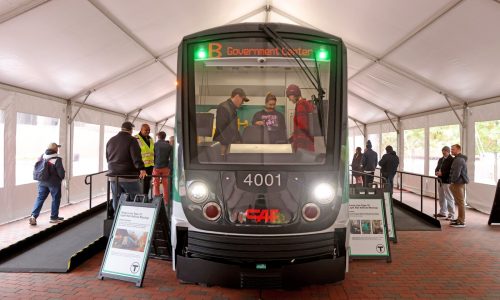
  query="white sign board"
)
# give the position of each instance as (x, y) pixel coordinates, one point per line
(128, 249)
(367, 228)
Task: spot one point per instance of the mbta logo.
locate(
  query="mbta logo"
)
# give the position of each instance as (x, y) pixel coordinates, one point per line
(262, 215)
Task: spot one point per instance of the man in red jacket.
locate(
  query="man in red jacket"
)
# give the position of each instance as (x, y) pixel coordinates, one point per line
(301, 136)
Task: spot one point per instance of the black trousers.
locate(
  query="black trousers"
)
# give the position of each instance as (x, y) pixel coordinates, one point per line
(147, 181)
(368, 178)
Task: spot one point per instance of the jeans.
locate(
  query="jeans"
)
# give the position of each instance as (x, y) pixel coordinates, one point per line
(130, 187)
(43, 193)
(165, 173)
(446, 201)
(390, 182)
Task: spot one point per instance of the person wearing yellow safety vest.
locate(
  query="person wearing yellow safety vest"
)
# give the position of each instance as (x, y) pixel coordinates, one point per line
(147, 145)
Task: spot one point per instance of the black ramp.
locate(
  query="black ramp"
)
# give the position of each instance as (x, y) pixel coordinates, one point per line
(406, 220)
(54, 254)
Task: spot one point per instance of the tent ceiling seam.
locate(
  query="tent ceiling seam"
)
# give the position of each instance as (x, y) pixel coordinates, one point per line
(129, 33)
(16, 12)
(60, 100)
(372, 104)
(436, 16)
(172, 49)
(153, 102)
(126, 73)
(375, 59)
(166, 119)
(248, 15)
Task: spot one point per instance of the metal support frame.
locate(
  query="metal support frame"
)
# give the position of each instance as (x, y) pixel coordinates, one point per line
(363, 132)
(163, 125)
(392, 123)
(79, 107)
(454, 111)
(268, 8)
(371, 103)
(137, 115)
(153, 102)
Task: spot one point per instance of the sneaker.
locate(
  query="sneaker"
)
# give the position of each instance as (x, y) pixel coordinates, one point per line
(32, 220)
(449, 218)
(457, 224)
(56, 220)
(440, 215)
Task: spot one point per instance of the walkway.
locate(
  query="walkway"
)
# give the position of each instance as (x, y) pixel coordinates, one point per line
(458, 263)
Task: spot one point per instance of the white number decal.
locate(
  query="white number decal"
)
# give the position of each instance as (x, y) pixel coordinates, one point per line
(259, 179)
(248, 179)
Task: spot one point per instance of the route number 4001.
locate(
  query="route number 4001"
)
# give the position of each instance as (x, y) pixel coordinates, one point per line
(260, 179)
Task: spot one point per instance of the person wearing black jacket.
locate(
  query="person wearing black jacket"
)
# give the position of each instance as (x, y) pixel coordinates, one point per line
(369, 162)
(52, 185)
(226, 123)
(124, 159)
(446, 200)
(389, 165)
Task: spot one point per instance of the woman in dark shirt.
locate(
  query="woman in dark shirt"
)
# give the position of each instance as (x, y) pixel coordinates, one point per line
(273, 120)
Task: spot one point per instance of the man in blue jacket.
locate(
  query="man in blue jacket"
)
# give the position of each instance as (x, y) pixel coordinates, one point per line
(458, 179)
(52, 185)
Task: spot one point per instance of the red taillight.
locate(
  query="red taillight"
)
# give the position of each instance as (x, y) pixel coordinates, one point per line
(310, 212)
(211, 211)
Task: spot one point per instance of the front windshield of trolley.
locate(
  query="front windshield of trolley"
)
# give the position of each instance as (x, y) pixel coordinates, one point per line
(259, 104)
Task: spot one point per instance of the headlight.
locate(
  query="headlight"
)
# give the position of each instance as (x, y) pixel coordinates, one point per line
(323, 193)
(197, 192)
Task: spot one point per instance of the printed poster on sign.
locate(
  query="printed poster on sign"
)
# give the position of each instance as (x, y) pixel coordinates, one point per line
(367, 230)
(128, 250)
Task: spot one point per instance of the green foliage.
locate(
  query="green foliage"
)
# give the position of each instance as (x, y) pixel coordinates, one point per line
(488, 136)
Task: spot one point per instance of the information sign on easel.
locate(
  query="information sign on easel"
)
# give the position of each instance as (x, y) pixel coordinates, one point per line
(129, 244)
(368, 236)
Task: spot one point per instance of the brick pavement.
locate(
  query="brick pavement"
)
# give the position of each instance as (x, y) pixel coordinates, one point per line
(455, 263)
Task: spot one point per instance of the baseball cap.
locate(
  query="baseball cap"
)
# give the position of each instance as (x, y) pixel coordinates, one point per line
(127, 125)
(294, 90)
(53, 146)
(241, 92)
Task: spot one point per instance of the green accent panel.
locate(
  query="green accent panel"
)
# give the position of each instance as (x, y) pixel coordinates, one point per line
(246, 112)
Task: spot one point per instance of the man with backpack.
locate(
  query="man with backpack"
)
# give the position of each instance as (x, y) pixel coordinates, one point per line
(49, 171)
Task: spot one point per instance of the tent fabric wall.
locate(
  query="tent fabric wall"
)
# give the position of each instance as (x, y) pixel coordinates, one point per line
(17, 200)
(479, 195)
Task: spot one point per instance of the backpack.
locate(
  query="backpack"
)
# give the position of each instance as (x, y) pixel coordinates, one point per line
(41, 171)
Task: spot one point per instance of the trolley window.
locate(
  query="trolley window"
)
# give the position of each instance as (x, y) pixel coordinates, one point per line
(255, 102)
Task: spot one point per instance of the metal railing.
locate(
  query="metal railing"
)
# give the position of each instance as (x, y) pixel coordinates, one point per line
(88, 181)
(399, 174)
(109, 198)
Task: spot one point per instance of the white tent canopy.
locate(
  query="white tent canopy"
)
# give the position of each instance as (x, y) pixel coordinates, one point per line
(407, 60)
(404, 56)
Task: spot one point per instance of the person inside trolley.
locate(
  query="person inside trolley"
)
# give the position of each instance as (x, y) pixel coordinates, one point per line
(272, 120)
(301, 137)
(226, 124)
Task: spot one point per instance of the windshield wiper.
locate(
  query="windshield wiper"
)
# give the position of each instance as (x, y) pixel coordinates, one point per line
(315, 79)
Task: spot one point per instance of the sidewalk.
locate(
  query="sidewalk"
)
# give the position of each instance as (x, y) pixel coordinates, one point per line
(15, 231)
